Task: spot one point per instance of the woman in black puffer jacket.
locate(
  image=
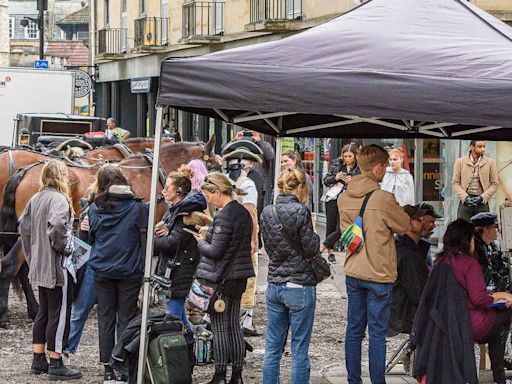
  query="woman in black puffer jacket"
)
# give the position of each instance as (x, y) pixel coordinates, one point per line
(291, 291)
(226, 259)
(177, 248)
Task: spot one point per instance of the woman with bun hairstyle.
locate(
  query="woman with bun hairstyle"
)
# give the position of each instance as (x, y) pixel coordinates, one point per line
(291, 291)
(226, 260)
(176, 247)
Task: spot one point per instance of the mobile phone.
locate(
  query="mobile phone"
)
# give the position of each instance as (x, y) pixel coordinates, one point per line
(193, 233)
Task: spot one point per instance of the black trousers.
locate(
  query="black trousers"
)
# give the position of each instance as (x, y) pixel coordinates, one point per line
(117, 300)
(332, 227)
(496, 339)
(52, 322)
(465, 212)
(228, 339)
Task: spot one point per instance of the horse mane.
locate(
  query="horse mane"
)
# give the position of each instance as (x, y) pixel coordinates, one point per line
(8, 219)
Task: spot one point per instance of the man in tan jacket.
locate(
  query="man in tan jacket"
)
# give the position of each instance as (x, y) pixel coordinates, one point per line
(475, 181)
(370, 273)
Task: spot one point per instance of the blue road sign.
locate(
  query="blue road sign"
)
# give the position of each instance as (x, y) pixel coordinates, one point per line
(41, 64)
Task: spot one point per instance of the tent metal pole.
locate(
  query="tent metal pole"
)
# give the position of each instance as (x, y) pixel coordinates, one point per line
(277, 168)
(149, 247)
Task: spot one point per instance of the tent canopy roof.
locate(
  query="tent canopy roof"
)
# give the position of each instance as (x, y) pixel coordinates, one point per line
(393, 68)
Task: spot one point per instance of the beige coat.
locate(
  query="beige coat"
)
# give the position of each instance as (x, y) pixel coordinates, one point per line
(383, 217)
(487, 171)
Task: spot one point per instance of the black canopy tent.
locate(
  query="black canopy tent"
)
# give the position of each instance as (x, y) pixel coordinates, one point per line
(388, 68)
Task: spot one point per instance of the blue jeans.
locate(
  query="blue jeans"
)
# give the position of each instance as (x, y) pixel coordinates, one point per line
(82, 305)
(176, 308)
(289, 308)
(368, 303)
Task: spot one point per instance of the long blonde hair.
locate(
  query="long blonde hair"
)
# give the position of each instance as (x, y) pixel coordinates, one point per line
(55, 175)
(293, 181)
(216, 181)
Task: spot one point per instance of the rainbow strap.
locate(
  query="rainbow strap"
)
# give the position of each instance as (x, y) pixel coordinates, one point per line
(352, 239)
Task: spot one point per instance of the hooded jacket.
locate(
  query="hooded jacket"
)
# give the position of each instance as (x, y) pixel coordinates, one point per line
(400, 184)
(115, 236)
(179, 244)
(43, 225)
(285, 263)
(376, 261)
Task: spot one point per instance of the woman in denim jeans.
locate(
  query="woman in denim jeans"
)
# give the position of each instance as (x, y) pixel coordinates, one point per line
(291, 291)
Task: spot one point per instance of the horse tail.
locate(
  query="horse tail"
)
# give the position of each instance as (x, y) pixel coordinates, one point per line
(8, 219)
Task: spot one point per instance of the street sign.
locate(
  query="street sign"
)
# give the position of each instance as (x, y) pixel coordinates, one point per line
(83, 83)
(41, 64)
(140, 85)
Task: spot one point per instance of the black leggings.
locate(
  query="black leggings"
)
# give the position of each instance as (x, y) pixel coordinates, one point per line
(332, 224)
(52, 322)
(496, 340)
(228, 339)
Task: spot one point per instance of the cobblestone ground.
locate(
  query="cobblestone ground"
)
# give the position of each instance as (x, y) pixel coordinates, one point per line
(326, 349)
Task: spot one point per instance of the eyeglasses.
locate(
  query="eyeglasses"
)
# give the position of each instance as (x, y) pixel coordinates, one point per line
(209, 181)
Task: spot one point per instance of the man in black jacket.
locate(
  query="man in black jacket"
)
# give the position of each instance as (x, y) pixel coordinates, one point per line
(412, 250)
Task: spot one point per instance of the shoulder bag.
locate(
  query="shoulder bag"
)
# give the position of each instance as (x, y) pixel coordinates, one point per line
(352, 239)
(321, 268)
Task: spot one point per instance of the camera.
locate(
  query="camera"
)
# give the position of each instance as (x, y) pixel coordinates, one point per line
(247, 134)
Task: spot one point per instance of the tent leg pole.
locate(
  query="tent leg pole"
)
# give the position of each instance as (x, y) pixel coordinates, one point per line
(277, 169)
(149, 247)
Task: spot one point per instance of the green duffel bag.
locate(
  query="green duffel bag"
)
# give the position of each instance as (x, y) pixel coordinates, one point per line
(169, 360)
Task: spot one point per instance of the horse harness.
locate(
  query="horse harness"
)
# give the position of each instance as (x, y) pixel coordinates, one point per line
(148, 155)
(125, 151)
(12, 164)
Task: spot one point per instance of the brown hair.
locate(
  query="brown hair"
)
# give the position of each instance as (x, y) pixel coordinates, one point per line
(182, 179)
(294, 156)
(107, 176)
(352, 147)
(371, 155)
(216, 181)
(293, 181)
(55, 175)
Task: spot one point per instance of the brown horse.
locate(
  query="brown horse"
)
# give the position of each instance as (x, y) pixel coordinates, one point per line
(11, 159)
(25, 183)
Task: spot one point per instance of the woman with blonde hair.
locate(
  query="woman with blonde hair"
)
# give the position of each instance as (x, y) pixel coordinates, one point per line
(397, 180)
(291, 291)
(226, 260)
(45, 227)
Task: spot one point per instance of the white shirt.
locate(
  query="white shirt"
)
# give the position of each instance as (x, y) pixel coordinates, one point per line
(248, 186)
(401, 184)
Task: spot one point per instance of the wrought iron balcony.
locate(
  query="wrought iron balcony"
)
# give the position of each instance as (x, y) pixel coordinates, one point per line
(112, 41)
(276, 14)
(151, 32)
(203, 20)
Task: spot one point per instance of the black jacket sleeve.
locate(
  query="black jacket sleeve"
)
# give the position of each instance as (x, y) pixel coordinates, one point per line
(310, 241)
(171, 244)
(330, 178)
(217, 240)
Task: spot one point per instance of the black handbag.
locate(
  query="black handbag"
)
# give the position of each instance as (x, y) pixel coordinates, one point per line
(321, 268)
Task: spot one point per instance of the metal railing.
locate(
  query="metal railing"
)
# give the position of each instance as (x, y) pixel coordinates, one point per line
(262, 10)
(203, 18)
(112, 41)
(151, 32)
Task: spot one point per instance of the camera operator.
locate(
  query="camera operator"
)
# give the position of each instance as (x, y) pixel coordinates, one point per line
(486, 232)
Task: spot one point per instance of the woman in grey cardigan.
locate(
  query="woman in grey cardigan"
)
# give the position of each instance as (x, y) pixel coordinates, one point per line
(45, 227)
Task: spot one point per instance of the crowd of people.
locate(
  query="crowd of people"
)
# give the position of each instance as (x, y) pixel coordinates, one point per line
(214, 226)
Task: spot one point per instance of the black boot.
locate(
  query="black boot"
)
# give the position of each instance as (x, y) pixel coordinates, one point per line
(58, 371)
(219, 377)
(236, 377)
(39, 364)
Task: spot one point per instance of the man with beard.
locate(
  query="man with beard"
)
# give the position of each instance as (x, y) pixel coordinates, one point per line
(475, 181)
(412, 264)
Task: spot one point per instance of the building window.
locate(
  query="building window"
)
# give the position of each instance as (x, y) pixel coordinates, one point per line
(142, 7)
(31, 31)
(12, 21)
(107, 12)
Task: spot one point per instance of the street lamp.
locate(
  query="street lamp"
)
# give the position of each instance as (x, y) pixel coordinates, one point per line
(42, 5)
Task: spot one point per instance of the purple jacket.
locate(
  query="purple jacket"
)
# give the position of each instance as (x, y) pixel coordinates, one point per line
(469, 275)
